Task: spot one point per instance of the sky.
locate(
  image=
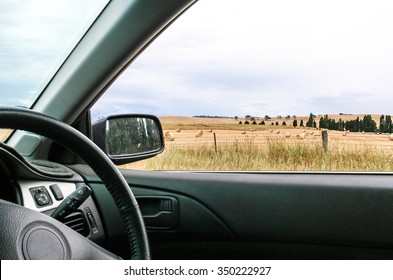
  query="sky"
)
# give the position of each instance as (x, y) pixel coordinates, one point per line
(231, 58)
(225, 57)
(34, 41)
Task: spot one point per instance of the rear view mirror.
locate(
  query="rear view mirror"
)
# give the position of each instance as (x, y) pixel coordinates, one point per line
(129, 138)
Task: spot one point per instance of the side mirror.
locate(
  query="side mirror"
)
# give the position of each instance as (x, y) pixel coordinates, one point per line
(129, 138)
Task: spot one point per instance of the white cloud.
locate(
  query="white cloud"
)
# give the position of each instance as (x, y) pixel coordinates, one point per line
(274, 57)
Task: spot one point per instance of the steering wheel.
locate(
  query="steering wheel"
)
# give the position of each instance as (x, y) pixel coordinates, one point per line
(23, 231)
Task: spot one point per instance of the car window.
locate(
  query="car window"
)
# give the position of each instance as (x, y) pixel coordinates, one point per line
(271, 85)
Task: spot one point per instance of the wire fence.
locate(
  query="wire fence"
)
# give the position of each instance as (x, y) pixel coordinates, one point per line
(336, 140)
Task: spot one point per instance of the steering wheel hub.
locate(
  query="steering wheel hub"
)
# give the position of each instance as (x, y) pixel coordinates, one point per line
(42, 242)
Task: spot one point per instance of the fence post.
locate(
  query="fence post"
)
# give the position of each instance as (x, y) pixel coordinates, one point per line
(215, 142)
(325, 140)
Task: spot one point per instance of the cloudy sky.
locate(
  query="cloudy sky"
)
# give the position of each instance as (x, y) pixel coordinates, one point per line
(223, 57)
(35, 40)
(257, 57)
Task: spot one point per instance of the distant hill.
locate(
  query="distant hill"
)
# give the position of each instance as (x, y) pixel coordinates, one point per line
(171, 120)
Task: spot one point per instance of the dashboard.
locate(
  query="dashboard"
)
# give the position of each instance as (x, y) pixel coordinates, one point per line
(42, 186)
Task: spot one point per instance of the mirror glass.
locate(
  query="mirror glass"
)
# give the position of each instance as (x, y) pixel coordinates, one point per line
(132, 135)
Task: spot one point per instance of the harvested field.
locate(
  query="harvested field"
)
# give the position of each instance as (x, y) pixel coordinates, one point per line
(226, 145)
(289, 136)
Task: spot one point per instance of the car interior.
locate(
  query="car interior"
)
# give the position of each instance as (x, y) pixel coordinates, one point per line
(63, 197)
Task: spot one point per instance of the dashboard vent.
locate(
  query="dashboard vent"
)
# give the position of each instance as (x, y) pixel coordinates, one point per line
(77, 222)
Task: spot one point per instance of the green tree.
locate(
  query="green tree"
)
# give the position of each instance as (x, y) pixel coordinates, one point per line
(310, 121)
(340, 125)
(294, 123)
(382, 124)
(324, 122)
(388, 124)
(357, 125)
(321, 123)
(369, 125)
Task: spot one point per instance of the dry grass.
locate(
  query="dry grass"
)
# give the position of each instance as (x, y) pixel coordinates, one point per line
(238, 148)
(278, 154)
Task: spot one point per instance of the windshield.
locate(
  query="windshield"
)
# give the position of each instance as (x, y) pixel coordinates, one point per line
(36, 37)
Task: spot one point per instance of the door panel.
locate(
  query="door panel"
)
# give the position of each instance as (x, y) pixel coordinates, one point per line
(271, 215)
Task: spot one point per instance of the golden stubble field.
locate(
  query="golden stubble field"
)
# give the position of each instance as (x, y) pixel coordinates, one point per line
(227, 145)
(184, 130)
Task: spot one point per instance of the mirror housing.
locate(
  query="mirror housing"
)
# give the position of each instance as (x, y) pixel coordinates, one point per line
(129, 138)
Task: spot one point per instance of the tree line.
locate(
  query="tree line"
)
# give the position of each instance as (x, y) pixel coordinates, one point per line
(367, 124)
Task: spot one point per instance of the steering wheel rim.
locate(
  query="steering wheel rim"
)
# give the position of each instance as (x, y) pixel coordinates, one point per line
(28, 120)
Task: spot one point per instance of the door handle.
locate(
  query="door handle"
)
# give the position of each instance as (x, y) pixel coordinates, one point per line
(159, 212)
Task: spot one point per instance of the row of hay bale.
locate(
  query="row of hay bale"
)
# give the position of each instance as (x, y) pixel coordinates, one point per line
(390, 136)
(301, 135)
(170, 136)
